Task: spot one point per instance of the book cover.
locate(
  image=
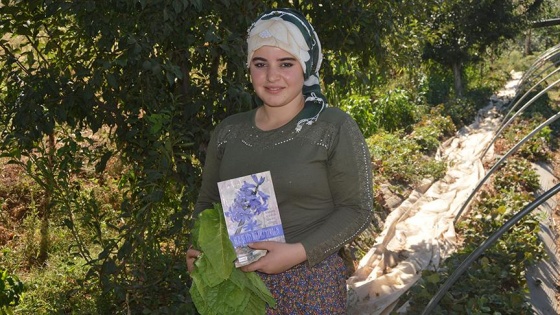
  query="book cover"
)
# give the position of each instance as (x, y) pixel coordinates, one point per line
(251, 214)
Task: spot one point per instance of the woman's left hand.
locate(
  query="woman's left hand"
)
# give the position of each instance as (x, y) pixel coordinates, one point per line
(192, 255)
(279, 258)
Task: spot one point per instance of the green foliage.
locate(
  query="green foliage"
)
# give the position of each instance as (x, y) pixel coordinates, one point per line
(537, 148)
(462, 31)
(11, 291)
(461, 110)
(218, 287)
(108, 106)
(394, 110)
(432, 129)
(387, 110)
(541, 107)
(60, 289)
(517, 174)
(438, 85)
(360, 108)
(495, 283)
(398, 158)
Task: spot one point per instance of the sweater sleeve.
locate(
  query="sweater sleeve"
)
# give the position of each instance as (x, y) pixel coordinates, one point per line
(350, 182)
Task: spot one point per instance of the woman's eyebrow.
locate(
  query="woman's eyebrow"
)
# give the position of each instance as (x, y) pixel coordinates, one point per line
(287, 59)
(279, 59)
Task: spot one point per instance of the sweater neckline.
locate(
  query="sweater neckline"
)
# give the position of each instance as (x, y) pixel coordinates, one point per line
(306, 112)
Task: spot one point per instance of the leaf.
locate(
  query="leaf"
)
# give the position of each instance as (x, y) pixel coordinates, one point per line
(218, 287)
(210, 277)
(214, 241)
(257, 286)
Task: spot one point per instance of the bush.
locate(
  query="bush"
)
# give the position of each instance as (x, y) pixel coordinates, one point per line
(390, 111)
(395, 110)
(432, 129)
(11, 290)
(360, 108)
(398, 158)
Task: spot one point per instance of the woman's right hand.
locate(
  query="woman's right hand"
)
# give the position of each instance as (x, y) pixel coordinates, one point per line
(192, 255)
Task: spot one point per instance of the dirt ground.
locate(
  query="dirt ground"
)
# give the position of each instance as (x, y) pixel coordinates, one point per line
(14, 200)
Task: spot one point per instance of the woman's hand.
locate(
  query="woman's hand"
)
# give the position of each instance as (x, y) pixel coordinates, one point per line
(280, 257)
(192, 255)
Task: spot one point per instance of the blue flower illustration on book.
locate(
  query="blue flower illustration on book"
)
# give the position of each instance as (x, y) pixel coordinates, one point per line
(251, 214)
(248, 204)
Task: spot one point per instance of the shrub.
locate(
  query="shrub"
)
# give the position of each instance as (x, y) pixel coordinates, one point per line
(432, 129)
(395, 110)
(11, 290)
(398, 158)
(360, 108)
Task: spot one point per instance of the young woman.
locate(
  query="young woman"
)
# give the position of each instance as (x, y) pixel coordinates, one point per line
(318, 159)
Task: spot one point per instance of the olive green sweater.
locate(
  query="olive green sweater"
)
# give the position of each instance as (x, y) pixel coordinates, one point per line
(321, 175)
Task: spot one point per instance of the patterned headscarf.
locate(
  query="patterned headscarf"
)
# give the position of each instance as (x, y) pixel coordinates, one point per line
(289, 30)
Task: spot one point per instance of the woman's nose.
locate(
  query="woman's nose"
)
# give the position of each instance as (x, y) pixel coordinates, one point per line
(272, 74)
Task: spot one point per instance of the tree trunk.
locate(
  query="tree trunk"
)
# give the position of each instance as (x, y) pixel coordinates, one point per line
(45, 209)
(527, 51)
(458, 79)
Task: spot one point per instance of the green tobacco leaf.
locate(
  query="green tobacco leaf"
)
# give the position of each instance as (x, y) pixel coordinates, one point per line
(251, 281)
(218, 287)
(199, 293)
(214, 241)
(258, 288)
(211, 276)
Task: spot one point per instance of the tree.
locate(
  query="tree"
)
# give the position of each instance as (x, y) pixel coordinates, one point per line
(462, 31)
(142, 82)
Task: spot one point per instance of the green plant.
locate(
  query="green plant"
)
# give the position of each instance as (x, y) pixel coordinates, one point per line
(360, 108)
(398, 158)
(461, 110)
(11, 291)
(218, 287)
(394, 109)
(536, 148)
(432, 129)
(60, 288)
(518, 175)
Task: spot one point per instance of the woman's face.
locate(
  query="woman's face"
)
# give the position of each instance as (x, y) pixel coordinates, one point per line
(277, 77)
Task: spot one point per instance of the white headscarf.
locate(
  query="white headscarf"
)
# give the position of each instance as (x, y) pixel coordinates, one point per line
(288, 29)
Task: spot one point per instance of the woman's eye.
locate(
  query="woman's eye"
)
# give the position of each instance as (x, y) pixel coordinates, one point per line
(259, 64)
(287, 65)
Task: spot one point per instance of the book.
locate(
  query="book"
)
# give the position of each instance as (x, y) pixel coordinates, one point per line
(251, 214)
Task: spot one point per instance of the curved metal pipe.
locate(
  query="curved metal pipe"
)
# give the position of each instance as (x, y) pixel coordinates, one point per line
(517, 102)
(509, 121)
(548, 54)
(510, 152)
(555, 55)
(491, 240)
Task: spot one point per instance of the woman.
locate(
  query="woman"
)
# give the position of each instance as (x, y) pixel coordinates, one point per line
(318, 159)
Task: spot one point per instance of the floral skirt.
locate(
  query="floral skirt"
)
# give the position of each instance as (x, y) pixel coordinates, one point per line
(320, 289)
